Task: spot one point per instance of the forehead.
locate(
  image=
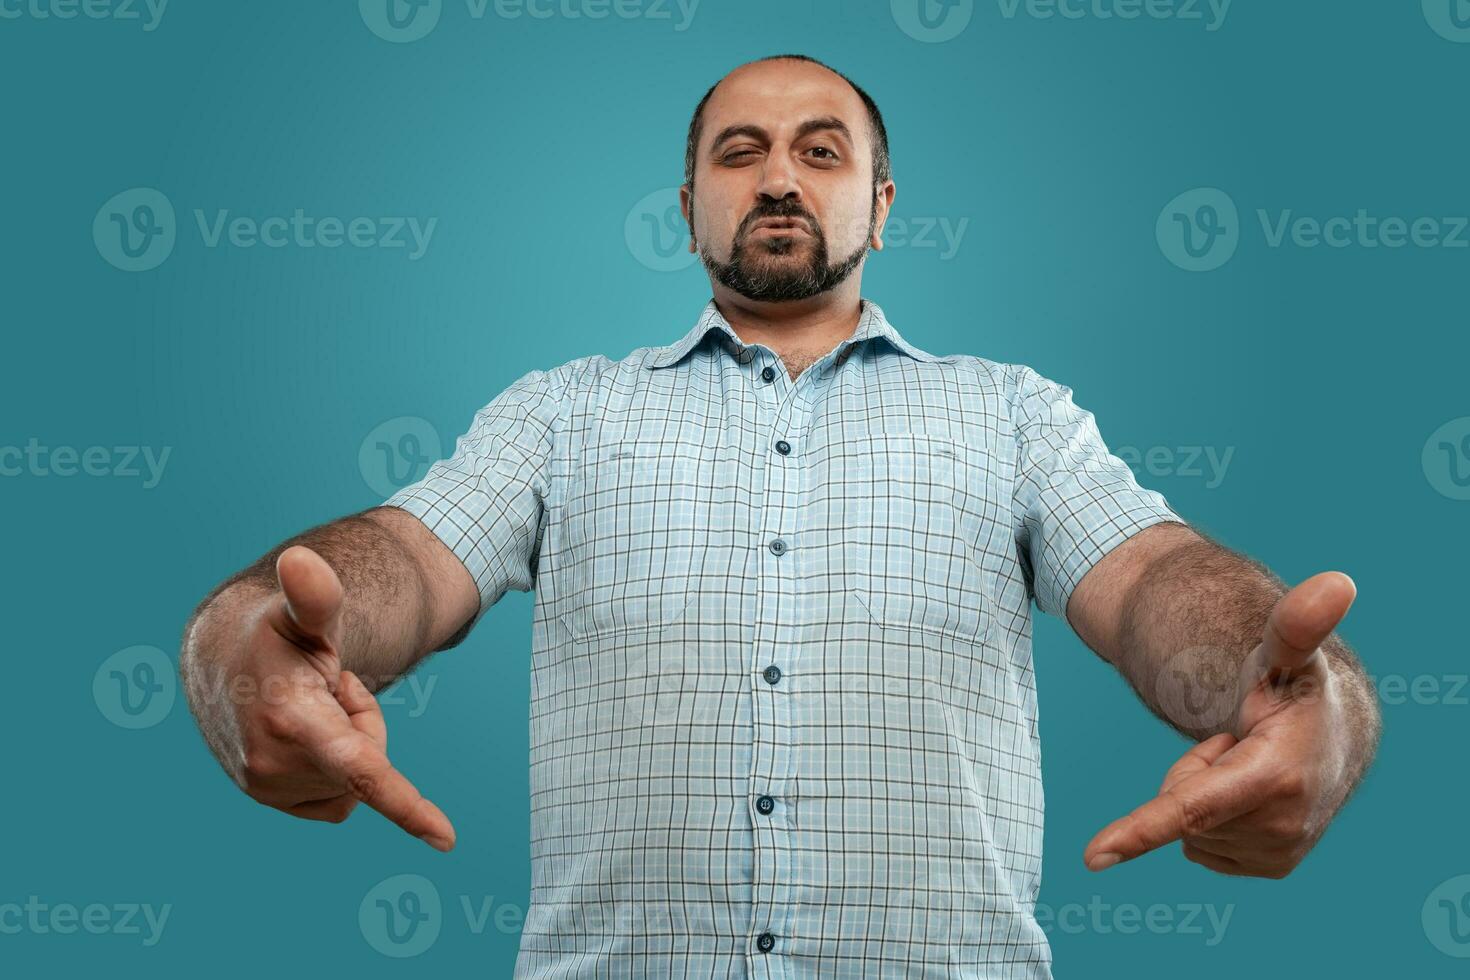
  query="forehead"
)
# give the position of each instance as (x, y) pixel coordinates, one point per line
(778, 96)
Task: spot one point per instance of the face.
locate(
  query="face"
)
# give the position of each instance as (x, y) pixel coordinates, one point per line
(784, 143)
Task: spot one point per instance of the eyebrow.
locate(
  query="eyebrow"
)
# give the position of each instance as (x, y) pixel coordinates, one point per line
(756, 132)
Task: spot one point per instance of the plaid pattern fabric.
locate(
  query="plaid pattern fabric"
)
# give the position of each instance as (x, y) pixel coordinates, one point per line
(783, 717)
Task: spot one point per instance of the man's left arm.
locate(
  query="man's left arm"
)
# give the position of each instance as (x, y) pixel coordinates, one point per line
(1216, 646)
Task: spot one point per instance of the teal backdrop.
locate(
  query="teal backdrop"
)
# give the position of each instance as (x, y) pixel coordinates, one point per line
(247, 246)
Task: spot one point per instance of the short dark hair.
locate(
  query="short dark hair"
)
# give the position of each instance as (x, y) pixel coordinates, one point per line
(882, 168)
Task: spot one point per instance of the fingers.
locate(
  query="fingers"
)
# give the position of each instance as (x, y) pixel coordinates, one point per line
(1198, 759)
(362, 708)
(1246, 851)
(1303, 618)
(1192, 805)
(1209, 859)
(313, 594)
(371, 778)
(333, 810)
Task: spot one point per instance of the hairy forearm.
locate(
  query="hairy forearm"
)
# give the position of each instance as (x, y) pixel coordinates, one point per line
(386, 611)
(1185, 632)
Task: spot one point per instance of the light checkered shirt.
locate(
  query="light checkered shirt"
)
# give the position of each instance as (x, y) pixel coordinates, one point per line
(783, 715)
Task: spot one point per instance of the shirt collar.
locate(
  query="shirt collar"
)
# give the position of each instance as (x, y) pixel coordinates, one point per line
(871, 323)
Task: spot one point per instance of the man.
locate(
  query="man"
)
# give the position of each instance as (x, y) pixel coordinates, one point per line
(783, 716)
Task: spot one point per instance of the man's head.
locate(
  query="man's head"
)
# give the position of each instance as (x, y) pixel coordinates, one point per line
(788, 138)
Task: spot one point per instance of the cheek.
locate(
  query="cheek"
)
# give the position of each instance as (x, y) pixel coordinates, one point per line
(847, 230)
(716, 214)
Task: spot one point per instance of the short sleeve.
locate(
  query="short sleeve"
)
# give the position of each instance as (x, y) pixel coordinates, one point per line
(1073, 501)
(485, 502)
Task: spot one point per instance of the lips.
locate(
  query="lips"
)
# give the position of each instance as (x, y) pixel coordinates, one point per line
(790, 224)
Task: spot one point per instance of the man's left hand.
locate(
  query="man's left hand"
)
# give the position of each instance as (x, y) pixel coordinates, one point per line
(1254, 801)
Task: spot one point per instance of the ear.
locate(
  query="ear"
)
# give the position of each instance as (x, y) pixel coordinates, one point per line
(686, 208)
(883, 201)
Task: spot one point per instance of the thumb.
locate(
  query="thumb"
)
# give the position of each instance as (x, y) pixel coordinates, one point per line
(312, 610)
(1301, 620)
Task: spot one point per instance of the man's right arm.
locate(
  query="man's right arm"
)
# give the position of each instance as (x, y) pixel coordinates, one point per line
(405, 595)
(279, 661)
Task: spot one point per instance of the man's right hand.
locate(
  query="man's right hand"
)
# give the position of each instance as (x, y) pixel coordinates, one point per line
(311, 737)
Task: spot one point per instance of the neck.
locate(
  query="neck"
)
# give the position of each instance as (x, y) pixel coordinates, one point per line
(817, 323)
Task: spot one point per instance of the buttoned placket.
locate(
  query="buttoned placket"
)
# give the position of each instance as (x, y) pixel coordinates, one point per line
(770, 667)
(783, 410)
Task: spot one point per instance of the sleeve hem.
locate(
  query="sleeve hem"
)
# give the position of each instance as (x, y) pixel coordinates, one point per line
(442, 529)
(1097, 547)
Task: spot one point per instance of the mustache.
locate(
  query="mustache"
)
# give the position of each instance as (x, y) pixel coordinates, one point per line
(780, 211)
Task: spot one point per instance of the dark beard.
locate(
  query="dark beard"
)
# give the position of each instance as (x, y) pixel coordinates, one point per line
(744, 274)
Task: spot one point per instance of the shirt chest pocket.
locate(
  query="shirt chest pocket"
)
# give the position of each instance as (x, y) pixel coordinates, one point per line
(635, 516)
(912, 511)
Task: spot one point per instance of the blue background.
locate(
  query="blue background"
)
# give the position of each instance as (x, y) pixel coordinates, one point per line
(1324, 370)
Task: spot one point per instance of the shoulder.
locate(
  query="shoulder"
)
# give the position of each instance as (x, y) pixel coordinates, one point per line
(559, 383)
(1013, 390)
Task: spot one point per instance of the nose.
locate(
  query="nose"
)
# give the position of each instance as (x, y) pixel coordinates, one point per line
(778, 179)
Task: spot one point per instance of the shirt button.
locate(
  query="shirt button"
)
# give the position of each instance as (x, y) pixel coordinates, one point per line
(764, 942)
(768, 373)
(765, 804)
(772, 674)
(783, 447)
(778, 547)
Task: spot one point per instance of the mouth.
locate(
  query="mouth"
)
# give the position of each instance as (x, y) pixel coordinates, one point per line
(779, 231)
(780, 226)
